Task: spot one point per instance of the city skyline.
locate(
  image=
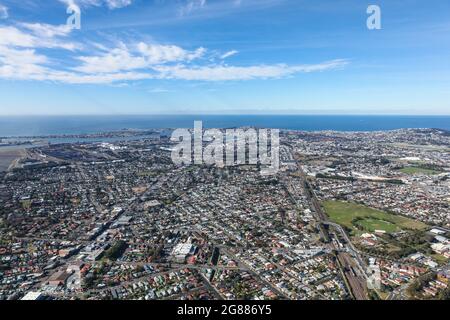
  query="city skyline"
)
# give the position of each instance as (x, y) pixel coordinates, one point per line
(223, 158)
(223, 57)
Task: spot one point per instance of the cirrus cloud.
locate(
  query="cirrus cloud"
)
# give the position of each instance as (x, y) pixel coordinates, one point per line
(25, 54)
(234, 73)
(36, 36)
(111, 4)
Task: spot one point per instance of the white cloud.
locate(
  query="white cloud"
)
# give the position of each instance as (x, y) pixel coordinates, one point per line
(115, 61)
(233, 73)
(156, 54)
(27, 65)
(108, 78)
(191, 6)
(21, 59)
(14, 37)
(15, 57)
(116, 4)
(111, 4)
(3, 12)
(47, 30)
(228, 54)
(20, 63)
(157, 62)
(119, 66)
(38, 36)
(144, 56)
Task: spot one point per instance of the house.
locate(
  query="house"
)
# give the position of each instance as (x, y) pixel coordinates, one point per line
(33, 296)
(437, 231)
(58, 279)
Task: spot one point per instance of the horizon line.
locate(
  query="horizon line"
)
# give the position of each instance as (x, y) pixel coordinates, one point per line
(225, 114)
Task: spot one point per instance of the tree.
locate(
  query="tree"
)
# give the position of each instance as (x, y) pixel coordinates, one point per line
(116, 250)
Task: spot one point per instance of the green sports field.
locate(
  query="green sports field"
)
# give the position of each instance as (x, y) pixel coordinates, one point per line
(352, 215)
(418, 170)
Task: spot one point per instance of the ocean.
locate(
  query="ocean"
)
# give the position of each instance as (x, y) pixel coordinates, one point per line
(16, 126)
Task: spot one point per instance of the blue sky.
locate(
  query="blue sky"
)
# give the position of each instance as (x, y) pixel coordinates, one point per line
(224, 57)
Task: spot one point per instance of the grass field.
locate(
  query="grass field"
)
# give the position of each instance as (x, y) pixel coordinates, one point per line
(376, 224)
(418, 170)
(345, 214)
(439, 258)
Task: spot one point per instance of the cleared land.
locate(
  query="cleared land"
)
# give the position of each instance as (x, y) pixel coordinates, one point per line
(7, 156)
(352, 216)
